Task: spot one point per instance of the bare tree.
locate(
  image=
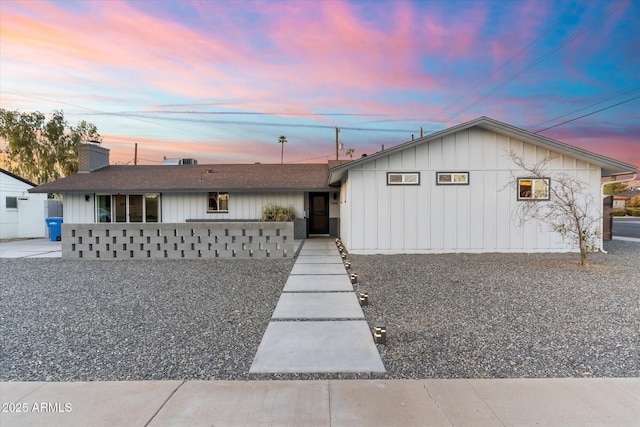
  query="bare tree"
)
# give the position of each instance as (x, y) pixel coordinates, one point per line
(569, 210)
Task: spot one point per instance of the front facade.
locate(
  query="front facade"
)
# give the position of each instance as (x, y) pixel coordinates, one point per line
(452, 191)
(457, 190)
(22, 215)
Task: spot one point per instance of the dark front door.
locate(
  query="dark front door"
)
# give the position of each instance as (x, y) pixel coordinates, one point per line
(318, 213)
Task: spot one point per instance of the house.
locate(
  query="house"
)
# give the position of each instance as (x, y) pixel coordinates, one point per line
(450, 191)
(445, 192)
(22, 215)
(620, 200)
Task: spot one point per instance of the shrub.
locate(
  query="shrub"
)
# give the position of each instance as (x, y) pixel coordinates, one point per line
(619, 212)
(633, 211)
(273, 212)
(634, 202)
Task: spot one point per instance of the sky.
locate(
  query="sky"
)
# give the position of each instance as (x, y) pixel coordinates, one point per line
(221, 81)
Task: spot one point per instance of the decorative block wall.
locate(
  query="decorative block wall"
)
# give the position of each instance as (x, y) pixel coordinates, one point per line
(204, 240)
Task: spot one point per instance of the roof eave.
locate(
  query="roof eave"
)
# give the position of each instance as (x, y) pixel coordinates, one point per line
(609, 166)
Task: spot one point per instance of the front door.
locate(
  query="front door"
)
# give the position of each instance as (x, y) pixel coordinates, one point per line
(318, 213)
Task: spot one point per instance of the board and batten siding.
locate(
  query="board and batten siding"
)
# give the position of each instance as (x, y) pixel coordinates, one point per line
(180, 207)
(430, 218)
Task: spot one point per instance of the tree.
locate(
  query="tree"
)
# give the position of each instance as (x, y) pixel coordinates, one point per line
(42, 150)
(569, 211)
(350, 152)
(615, 188)
(282, 140)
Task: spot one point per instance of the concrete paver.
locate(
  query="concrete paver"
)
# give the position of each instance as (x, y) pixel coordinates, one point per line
(335, 305)
(305, 251)
(319, 259)
(317, 346)
(318, 283)
(325, 269)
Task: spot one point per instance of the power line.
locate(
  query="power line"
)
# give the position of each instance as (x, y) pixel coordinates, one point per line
(296, 125)
(600, 101)
(589, 114)
(497, 69)
(536, 62)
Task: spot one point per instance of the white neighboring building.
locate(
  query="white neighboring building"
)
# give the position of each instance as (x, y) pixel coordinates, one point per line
(22, 214)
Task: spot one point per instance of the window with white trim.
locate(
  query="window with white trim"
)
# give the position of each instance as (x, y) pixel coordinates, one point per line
(533, 188)
(404, 178)
(218, 202)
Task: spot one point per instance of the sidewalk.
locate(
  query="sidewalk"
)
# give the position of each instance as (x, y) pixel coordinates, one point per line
(458, 402)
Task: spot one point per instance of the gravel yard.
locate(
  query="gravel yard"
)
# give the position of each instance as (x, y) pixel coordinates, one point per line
(448, 316)
(135, 320)
(506, 316)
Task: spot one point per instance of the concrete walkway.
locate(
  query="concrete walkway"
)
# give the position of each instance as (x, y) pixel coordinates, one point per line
(352, 403)
(318, 325)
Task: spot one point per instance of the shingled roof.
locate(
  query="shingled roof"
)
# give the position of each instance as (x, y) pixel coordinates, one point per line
(194, 178)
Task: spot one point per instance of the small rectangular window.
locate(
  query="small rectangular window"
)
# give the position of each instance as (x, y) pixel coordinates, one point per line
(12, 202)
(452, 178)
(533, 188)
(218, 202)
(394, 178)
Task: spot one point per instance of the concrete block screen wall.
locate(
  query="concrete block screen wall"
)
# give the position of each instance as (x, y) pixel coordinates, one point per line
(178, 241)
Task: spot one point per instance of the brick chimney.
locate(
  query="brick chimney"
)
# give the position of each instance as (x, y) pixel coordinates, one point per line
(92, 157)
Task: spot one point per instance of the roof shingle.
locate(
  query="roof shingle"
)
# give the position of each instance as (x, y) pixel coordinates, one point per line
(186, 178)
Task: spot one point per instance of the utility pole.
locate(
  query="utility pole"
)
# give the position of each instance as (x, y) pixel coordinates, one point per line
(135, 156)
(337, 143)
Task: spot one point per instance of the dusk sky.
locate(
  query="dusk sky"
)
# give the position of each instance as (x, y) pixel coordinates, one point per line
(220, 81)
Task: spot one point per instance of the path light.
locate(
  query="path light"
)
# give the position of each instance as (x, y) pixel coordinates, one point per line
(364, 299)
(347, 264)
(354, 278)
(380, 333)
(344, 256)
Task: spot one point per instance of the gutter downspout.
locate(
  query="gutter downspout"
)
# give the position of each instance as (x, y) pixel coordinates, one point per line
(602, 195)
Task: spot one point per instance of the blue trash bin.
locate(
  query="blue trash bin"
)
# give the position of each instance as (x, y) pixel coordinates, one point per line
(55, 228)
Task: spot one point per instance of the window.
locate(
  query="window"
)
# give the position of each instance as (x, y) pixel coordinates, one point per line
(394, 178)
(452, 178)
(12, 202)
(128, 207)
(533, 188)
(218, 202)
(103, 204)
